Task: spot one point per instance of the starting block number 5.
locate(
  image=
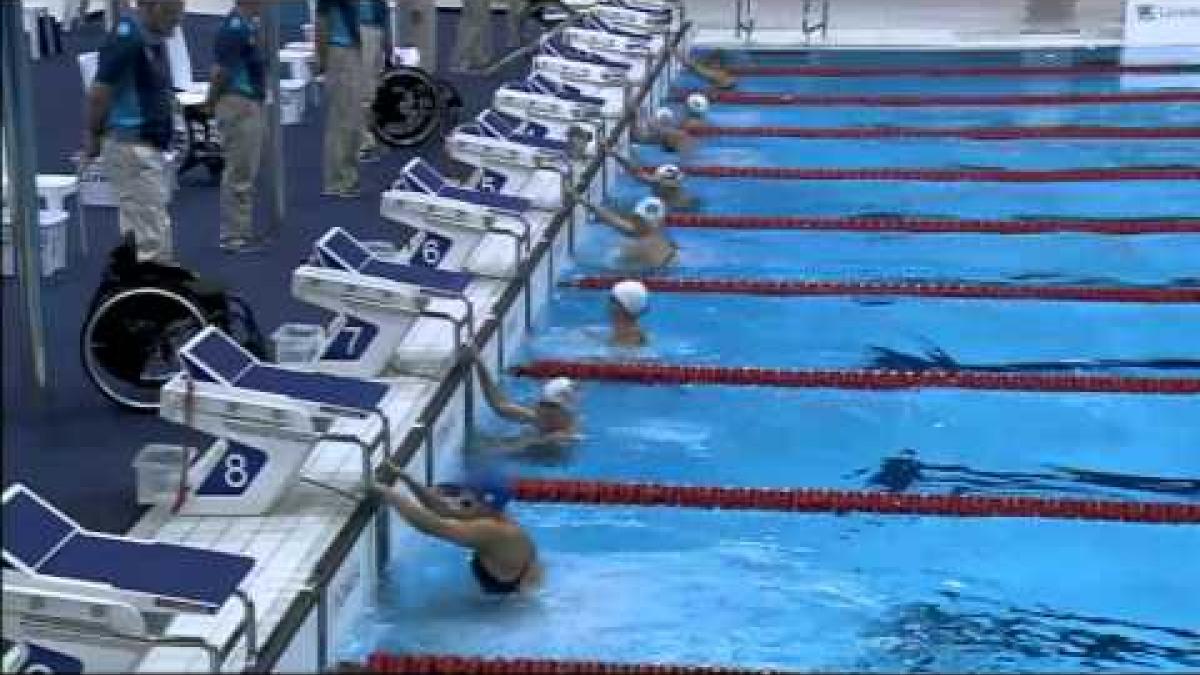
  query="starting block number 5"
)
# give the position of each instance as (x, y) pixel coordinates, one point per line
(233, 474)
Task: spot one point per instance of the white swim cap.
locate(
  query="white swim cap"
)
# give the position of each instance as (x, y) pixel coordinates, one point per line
(631, 295)
(697, 104)
(664, 116)
(651, 209)
(668, 172)
(560, 390)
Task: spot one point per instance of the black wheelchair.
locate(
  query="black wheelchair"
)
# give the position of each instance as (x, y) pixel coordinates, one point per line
(140, 316)
(411, 107)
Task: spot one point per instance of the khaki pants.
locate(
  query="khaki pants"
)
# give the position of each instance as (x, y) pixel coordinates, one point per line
(516, 12)
(343, 119)
(240, 121)
(473, 46)
(372, 65)
(420, 31)
(139, 177)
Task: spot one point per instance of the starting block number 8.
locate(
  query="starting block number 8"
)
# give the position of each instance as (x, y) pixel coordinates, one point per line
(235, 471)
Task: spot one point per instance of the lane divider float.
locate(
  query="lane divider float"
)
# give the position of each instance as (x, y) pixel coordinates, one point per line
(804, 500)
(924, 225)
(804, 288)
(930, 100)
(862, 379)
(1105, 174)
(430, 664)
(1013, 133)
(964, 71)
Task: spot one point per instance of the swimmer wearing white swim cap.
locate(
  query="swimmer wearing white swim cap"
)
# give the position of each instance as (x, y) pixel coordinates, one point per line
(552, 418)
(664, 128)
(668, 186)
(647, 245)
(628, 301)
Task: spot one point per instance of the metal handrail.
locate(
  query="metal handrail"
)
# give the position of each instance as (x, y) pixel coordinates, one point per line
(421, 433)
(822, 26)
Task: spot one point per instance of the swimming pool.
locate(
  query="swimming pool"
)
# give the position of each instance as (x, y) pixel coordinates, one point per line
(867, 592)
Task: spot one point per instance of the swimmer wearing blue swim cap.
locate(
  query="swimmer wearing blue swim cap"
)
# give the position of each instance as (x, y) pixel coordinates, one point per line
(472, 514)
(647, 247)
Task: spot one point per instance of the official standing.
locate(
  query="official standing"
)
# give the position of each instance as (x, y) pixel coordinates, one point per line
(339, 59)
(130, 119)
(237, 93)
(373, 20)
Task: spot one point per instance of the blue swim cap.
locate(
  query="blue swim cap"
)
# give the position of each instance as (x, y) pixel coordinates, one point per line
(493, 489)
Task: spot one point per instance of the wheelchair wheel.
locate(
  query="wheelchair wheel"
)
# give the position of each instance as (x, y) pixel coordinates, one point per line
(407, 107)
(129, 344)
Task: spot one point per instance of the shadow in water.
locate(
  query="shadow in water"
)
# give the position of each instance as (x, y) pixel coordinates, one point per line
(905, 471)
(965, 634)
(892, 359)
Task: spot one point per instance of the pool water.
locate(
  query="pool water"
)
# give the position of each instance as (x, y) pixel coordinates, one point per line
(863, 592)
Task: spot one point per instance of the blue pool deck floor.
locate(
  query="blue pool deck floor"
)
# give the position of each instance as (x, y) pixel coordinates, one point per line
(72, 446)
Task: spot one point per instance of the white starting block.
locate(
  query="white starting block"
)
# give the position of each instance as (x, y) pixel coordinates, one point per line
(381, 308)
(558, 58)
(545, 102)
(85, 602)
(269, 419)
(648, 21)
(482, 232)
(529, 165)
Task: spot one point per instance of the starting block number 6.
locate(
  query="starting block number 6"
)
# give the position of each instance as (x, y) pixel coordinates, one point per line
(234, 472)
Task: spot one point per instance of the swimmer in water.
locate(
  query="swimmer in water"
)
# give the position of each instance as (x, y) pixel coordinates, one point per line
(711, 67)
(695, 112)
(552, 419)
(666, 181)
(504, 558)
(627, 303)
(649, 247)
(662, 129)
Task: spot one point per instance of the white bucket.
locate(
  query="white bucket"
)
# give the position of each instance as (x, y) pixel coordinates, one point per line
(157, 469)
(53, 226)
(298, 344)
(291, 101)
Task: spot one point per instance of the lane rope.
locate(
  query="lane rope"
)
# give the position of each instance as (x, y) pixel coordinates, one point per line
(806, 288)
(804, 500)
(1010, 133)
(1133, 173)
(432, 664)
(855, 379)
(922, 225)
(967, 71)
(926, 100)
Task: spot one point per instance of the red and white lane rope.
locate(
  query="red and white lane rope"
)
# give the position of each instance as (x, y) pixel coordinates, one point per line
(430, 664)
(1014, 133)
(923, 225)
(963, 71)
(800, 288)
(1132, 173)
(867, 379)
(938, 100)
(803, 500)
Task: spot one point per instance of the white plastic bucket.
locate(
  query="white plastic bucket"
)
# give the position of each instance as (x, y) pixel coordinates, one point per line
(157, 468)
(298, 343)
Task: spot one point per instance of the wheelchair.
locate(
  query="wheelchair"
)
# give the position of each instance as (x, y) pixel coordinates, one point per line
(411, 107)
(139, 317)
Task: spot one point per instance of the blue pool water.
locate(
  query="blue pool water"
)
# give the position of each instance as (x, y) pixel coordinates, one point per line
(862, 592)
(936, 153)
(957, 84)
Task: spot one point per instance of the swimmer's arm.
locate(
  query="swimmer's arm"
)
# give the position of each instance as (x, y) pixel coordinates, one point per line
(498, 401)
(425, 496)
(627, 164)
(523, 443)
(425, 521)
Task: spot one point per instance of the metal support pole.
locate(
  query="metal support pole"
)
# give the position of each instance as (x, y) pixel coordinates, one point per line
(274, 136)
(22, 165)
(112, 12)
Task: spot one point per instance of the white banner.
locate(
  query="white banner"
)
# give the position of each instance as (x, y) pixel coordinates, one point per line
(1162, 22)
